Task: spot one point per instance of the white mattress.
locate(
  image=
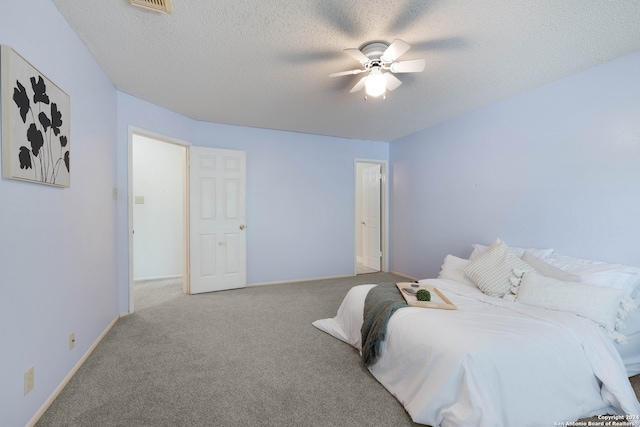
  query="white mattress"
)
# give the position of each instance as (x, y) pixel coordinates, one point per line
(492, 362)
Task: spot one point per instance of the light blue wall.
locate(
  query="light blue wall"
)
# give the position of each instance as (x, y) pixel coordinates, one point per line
(557, 166)
(57, 246)
(300, 192)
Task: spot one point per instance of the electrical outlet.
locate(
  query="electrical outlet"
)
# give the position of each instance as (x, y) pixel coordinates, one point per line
(139, 200)
(28, 380)
(114, 193)
(72, 340)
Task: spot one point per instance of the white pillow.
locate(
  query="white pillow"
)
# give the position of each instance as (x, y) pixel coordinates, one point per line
(605, 306)
(547, 269)
(598, 273)
(452, 270)
(540, 253)
(492, 271)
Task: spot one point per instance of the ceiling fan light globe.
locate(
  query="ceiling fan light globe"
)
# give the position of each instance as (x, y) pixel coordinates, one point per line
(376, 84)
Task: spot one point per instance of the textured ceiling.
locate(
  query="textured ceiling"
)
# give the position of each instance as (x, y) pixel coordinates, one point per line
(265, 63)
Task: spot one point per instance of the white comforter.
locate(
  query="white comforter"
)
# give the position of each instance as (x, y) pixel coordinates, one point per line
(492, 362)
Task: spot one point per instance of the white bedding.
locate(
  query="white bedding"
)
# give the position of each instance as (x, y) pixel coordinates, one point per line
(491, 362)
(630, 351)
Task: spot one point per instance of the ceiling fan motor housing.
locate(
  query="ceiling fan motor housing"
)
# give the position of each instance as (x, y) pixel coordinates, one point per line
(374, 50)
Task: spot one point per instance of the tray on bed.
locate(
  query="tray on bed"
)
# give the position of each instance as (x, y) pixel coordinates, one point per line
(437, 299)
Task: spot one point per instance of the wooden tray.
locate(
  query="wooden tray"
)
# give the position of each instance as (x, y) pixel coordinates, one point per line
(437, 299)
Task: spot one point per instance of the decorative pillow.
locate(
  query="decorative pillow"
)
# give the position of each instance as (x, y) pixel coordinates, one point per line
(598, 273)
(605, 306)
(540, 253)
(492, 271)
(547, 269)
(452, 270)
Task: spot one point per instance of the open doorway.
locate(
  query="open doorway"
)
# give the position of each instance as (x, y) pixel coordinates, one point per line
(158, 185)
(370, 216)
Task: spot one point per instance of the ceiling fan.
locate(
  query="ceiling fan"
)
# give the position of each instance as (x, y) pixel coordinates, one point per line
(376, 58)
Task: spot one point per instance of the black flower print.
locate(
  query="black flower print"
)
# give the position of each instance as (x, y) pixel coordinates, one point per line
(25, 158)
(56, 118)
(44, 121)
(39, 90)
(34, 136)
(22, 100)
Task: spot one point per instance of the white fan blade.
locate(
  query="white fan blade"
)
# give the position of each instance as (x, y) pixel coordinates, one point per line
(395, 50)
(357, 55)
(345, 73)
(392, 81)
(410, 66)
(359, 85)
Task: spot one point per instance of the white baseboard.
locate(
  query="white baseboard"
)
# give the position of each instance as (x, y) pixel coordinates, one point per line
(403, 275)
(70, 375)
(299, 280)
(320, 278)
(142, 279)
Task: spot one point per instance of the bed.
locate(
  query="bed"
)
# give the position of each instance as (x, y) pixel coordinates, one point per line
(496, 361)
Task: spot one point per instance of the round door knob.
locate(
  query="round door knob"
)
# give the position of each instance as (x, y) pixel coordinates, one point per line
(242, 227)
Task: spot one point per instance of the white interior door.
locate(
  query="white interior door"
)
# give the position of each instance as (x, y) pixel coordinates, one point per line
(217, 212)
(371, 251)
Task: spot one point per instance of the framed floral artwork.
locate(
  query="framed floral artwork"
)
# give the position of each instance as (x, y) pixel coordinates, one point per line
(35, 123)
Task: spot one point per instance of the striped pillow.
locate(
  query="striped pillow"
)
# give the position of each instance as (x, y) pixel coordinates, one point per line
(492, 270)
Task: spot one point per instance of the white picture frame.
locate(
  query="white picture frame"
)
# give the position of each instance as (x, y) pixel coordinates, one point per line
(35, 123)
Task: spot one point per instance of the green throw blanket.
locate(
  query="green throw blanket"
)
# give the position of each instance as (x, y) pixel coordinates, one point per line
(381, 302)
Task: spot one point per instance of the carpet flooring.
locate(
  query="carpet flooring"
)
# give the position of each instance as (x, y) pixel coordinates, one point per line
(246, 357)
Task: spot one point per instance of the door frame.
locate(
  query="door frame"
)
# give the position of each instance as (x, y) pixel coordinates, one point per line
(384, 212)
(185, 182)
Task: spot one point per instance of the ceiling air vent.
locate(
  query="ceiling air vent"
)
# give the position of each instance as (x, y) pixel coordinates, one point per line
(157, 5)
